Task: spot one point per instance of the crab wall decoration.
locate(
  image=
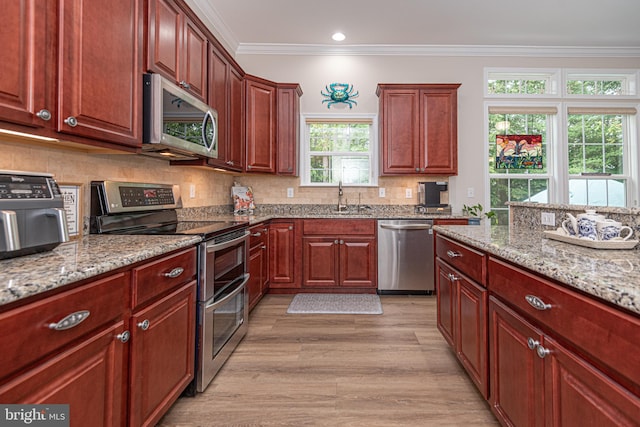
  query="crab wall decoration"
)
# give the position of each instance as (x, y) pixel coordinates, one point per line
(339, 93)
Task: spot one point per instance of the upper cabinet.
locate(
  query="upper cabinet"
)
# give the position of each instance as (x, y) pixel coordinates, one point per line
(260, 119)
(226, 96)
(177, 48)
(288, 129)
(58, 77)
(418, 128)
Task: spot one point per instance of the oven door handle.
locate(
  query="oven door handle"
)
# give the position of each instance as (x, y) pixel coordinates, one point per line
(220, 246)
(215, 304)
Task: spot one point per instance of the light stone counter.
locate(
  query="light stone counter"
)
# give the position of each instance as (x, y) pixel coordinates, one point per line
(611, 275)
(77, 260)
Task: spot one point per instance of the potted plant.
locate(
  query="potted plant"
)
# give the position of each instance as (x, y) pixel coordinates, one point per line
(475, 213)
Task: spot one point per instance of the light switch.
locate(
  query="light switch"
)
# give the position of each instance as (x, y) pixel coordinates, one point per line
(192, 191)
(290, 192)
(408, 193)
(382, 192)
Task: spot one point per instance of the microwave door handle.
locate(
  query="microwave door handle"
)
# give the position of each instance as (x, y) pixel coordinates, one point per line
(10, 226)
(208, 117)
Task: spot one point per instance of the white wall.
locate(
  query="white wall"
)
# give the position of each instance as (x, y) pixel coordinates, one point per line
(365, 72)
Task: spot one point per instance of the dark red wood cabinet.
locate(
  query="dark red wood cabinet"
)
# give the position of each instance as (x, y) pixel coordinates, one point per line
(57, 76)
(339, 254)
(288, 128)
(258, 284)
(418, 128)
(176, 47)
(260, 121)
(284, 254)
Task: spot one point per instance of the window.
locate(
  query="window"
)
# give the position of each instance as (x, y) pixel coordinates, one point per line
(588, 143)
(339, 148)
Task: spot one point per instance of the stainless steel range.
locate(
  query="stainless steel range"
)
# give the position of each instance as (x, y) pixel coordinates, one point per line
(223, 309)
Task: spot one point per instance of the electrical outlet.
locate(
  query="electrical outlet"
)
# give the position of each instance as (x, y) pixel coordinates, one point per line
(289, 192)
(192, 191)
(548, 218)
(381, 192)
(408, 193)
(470, 192)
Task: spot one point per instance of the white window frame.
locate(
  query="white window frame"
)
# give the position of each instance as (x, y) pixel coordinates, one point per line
(552, 75)
(305, 161)
(557, 154)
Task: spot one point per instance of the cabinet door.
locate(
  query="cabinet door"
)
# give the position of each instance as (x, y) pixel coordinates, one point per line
(446, 295)
(100, 89)
(22, 62)
(90, 377)
(162, 354)
(282, 255)
(580, 395)
(471, 332)
(320, 260)
(236, 147)
(260, 127)
(257, 261)
(517, 391)
(439, 131)
(288, 129)
(194, 75)
(358, 262)
(165, 38)
(400, 131)
(219, 94)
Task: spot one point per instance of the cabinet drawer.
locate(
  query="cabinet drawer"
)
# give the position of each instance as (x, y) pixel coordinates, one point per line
(331, 227)
(30, 328)
(469, 261)
(154, 278)
(594, 328)
(259, 235)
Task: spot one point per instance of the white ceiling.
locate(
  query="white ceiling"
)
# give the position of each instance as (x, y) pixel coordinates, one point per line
(419, 26)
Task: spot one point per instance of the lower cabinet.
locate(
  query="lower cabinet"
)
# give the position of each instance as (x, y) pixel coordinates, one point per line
(462, 320)
(284, 254)
(535, 381)
(339, 254)
(258, 284)
(118, 350)
(162, 354)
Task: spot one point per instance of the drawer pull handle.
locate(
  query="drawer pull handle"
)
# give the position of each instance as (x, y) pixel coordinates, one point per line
(453, 254)
(542, 352)
(452, 277)
(144, 325)
(533, 344)
(123, 337)
(174, 273)
(258, 234)
(537, 303)
(70, 321)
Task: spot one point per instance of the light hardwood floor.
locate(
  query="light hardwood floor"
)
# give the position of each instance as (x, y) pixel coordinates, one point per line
(393, 369)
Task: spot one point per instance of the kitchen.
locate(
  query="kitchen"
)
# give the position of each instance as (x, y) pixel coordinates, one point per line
(81, 164)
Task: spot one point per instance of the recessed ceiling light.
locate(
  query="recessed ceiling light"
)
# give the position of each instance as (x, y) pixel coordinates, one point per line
(338, 37)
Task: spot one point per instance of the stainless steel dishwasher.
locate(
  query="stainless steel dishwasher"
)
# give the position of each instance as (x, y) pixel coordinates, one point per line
(405, 257)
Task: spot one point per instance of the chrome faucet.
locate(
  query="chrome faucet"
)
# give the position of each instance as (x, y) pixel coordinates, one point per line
(341, 207)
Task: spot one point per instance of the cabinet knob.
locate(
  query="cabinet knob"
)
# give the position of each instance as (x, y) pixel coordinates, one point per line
(123, 337)
(417, 169)
(291, 227)
(44, 114)
(264, 247)
(248, 166)
(258, 234)
(174, 273)
(289, 169)
(70, 321)
(533, 344)
(71, 121)
(537, 303)
(144, 325)
(452, 277)
(542, 352)
(184, 84)
(335, 242)
(421, 169)
(229, 162)
(342, 242)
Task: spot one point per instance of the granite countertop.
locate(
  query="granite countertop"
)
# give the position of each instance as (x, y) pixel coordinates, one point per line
(611, 275)
(80, 259)
(257, 218)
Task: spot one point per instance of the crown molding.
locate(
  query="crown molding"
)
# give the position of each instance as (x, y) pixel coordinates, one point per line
(436, 50)
(214, 22)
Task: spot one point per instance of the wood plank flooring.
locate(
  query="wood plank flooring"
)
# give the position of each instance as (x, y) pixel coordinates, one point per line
(385, 370)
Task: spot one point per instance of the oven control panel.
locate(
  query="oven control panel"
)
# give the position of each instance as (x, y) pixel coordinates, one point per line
(118, 197)
(14, 186)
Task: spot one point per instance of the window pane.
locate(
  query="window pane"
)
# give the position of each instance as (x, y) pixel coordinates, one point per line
(339, 137)
(517, 124)
(595, 143)
(597, 192)
(348, 169)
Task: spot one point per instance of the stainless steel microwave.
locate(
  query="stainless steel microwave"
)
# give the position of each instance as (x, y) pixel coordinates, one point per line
(176, 125)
